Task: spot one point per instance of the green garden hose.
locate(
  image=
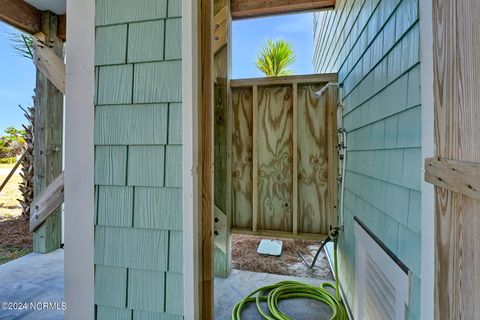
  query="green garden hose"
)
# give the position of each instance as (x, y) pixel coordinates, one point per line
(272, 294)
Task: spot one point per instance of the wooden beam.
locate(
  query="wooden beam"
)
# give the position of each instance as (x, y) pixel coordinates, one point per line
(458, 176)
(27, 18)
(49, 64)
(255, 160)
(279, 234)
(206, 156)
(21, 15)
(49, 200)
(48, 139)
(295, 159)
(254, 8)
(221, 29)
(287, 80)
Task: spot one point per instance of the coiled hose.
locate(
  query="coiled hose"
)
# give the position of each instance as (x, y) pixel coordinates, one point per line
(272, 294)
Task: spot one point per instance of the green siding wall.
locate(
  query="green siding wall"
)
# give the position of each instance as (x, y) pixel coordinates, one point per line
(374, 47)
(138, 159)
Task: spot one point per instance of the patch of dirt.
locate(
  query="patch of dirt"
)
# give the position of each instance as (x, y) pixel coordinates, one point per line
(245, 257)
(15, 238)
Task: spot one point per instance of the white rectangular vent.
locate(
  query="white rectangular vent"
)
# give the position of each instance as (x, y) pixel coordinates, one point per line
(381, 285)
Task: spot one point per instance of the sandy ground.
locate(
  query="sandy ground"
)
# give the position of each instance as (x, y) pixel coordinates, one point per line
(245, 257)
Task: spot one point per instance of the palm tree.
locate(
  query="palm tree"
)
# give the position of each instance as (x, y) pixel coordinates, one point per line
(275, 57)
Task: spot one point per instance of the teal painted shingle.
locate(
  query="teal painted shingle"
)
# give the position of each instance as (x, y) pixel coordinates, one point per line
(110, 165)
(175, 123)
(412, 168)
(131, 124)
(148, 315)
(158, 208)
(115, 84)
(408, 249)
(174, 288)
(146, 166)
(145, 41)
(131, 248)
(146, 290)
(414, 86)
(415, 211)
(406, 15)
(109, 313)
(173, 175)
(173, 39)
(174, 8)
(175, 262)
(115, 206)
(121, 11)
(110, 286)
(111, 44)
(158, 82)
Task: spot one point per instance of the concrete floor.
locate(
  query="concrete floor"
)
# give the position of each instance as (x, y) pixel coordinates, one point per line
(39, 278)
(240, 283)
(31, 279)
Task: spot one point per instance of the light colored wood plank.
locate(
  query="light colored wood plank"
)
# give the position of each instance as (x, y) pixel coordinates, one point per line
(456, 65)
(21, 15)
(457, 176)
(279, 234)
(206, 154)
(275, 179)
(286, 80)
(255, 158)
(254, 8)
(313, 150)
(221, 29)
(45, 203)
(332, 157)
(295, 159)
(48, 139)
(51, 65)
(241, 171)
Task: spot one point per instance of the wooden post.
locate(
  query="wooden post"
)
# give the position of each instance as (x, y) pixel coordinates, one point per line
(255, 159)
(48, 140)
(295, 158)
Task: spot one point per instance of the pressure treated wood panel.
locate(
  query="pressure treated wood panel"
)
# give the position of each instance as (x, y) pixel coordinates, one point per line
(22, 15)
(313, 185)
(242, 157)
(255, 8)
(456, 76)
(275, 156)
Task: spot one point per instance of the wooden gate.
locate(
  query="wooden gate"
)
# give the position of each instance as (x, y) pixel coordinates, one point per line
(274, 190)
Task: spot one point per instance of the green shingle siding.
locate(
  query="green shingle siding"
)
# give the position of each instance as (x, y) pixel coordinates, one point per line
(131, 124)
(110, 165)
(174, 299)
(146, 166)
(116, 84)
(115, 206)
(158, 82)
(146, 290)
(109, 313)
(121, 11)
(110, 286)
(174, 38)
(131, 248)
(145, 41)
(111, 44)
(158, 208)
(175, 123)
(374, 47)
(138, 160)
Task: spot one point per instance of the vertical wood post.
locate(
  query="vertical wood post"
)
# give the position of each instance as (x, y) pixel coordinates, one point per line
(48, 137)
(206, 155)
(255, 159)
(295, 158)
(332, 156)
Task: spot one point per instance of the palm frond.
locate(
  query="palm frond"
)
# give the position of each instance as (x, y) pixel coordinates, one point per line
(275, 58)
(22, 44)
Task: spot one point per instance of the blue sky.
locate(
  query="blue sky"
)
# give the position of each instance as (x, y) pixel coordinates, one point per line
(249, 36)
(17, 81)
(17, 74)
